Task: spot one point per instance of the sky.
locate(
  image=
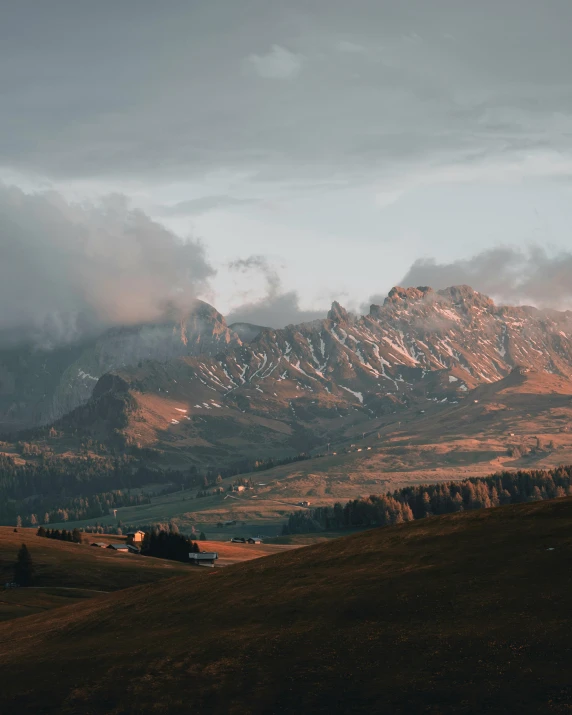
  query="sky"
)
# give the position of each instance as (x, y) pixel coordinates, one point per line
(272, 157)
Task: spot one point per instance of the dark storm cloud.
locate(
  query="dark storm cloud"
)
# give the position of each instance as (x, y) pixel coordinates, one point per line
(510, 275)
(277, 308)
(69, 269)
(287, 90)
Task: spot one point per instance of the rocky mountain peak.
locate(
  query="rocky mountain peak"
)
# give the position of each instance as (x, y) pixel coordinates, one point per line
(337, 313)
(409, 295)
(464, 297)
(205, 311)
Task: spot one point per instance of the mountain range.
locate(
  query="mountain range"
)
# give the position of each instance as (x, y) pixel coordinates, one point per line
(201, 391)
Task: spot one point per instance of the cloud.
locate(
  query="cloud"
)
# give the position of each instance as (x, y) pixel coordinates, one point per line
(202, 205)
(279, 63)
(276, 308)
(164, 98)
(71, 269)
(531, 275)
(351, 48)
(477, 166)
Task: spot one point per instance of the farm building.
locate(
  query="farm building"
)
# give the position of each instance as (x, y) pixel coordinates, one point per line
(120, 547)
(205, 558)
(254, 540)
(135, 537)
(99, 544)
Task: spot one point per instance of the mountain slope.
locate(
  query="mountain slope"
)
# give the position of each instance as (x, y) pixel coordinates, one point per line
(523, 421)
(39, 386)
(467, 613)
(306, 385)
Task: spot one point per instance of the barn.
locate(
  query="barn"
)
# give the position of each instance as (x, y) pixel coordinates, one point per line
(206, 558)
(122, 548)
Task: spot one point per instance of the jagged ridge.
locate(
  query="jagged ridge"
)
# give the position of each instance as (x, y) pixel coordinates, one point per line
(315, 379)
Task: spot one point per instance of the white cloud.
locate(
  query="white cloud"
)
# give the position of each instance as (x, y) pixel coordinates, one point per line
(507, 170)
(70, 268)
(277, 308)
(279, 63)
(509, 274)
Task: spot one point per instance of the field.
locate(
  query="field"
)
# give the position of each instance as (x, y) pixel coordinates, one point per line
(465, 613)
(59, 563)
(15, 603)
(70, 573)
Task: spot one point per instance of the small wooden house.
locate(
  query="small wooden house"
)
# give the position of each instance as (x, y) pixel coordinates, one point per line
(254, 540)
(135, 538)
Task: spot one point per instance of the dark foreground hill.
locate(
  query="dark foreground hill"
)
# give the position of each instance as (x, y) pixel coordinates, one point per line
(468, 613)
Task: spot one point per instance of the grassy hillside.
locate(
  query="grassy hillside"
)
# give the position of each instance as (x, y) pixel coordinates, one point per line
(15, 603)
(467, 613)
(69, 573)
(59, 563)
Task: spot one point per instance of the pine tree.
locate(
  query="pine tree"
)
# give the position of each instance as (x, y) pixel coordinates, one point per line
(24, 568)
(203, 536)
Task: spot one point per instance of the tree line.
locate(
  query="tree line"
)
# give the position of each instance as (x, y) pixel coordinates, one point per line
(76, 508)
(417, 502)
(63, 535)
(89, 486)
(168, 545)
